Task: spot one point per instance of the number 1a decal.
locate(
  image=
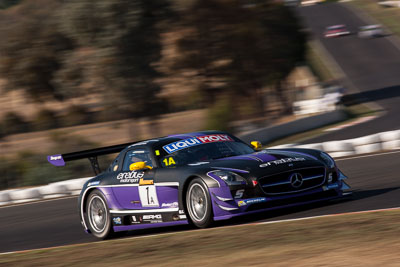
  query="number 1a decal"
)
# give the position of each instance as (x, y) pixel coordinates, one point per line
(148, 196)
(169, 161)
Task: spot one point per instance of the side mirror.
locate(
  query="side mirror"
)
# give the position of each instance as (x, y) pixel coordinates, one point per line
(140, 165)
(256, 145)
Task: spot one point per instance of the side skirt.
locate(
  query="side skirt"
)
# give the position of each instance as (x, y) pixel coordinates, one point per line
(148, 225)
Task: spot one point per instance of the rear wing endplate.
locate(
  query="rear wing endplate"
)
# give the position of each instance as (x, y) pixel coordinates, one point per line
(91, 154)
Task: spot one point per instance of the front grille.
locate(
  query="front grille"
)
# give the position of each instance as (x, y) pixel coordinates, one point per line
(283, 183)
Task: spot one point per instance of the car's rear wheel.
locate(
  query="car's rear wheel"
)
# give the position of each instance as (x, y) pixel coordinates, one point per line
(198, 203)
(97, 215)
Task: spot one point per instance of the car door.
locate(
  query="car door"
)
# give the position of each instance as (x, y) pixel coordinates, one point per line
(140, 190)
(136, 189)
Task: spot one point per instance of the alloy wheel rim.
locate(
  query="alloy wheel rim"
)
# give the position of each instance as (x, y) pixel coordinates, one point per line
(198, 202)
(97, 214)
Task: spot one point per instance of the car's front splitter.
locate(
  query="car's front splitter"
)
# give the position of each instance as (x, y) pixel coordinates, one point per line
(229, 216)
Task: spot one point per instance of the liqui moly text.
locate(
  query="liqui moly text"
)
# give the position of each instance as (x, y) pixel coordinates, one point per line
(178, 145)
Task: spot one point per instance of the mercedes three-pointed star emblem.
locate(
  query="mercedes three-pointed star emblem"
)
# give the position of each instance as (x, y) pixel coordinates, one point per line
(296, 180)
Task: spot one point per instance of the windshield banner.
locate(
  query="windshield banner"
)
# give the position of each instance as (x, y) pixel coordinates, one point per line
(178, 145)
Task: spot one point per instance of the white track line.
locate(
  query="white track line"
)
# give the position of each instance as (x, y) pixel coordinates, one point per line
(209, 229)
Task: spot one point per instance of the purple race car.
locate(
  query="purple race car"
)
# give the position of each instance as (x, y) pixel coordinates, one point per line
(198, 178)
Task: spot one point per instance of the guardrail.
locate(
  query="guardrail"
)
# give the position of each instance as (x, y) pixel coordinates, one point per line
(54, 190)
(271, 133)
(361, 145)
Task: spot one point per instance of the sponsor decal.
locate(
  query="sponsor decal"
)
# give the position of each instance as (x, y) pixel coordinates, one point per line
(55, 157)
(214, 138)
(181, 212)
(93, 183)
(157, 152)
(117, 220)
(130, 177)
(152, 218)
(250, 201)
(178, 145)
(169, 205)
(134, 220)
(281, 161)
(146, 182)
(331, 186)
(181, 144)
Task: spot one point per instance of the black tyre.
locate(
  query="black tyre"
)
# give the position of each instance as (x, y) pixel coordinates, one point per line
(97, 215)
(198, 203)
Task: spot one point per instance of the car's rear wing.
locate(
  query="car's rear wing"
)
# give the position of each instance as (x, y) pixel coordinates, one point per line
(91, 154)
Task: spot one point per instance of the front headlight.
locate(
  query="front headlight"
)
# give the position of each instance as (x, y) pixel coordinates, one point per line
(230, 178)
(327, 159)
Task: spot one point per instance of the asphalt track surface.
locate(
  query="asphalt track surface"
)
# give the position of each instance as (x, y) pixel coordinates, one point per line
(371, 66)
(375, 181)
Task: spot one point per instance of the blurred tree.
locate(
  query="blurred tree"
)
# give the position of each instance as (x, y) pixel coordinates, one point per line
(238, 49)
(31, 49)
(14, 123)
(220, 114)
(76, 115)
(45, 119)
(125, 35)
(7, 3)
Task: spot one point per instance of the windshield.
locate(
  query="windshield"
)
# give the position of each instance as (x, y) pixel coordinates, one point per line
(204, 152)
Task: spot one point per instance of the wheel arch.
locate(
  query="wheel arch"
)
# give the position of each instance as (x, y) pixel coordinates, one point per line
(84, 198)
(107, 230)
(185, 186)
(208, 181)
(83, 203)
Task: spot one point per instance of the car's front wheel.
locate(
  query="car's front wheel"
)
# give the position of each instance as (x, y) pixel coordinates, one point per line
(198, 203)
(97, 215)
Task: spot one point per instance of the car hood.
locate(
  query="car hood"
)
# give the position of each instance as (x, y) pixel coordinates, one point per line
(263, 162)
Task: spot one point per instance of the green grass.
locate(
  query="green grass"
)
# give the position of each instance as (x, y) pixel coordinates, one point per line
(366, 239)
(317, 65)
(390, 17)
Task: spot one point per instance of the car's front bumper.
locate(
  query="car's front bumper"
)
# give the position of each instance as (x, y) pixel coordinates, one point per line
(225, 206)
